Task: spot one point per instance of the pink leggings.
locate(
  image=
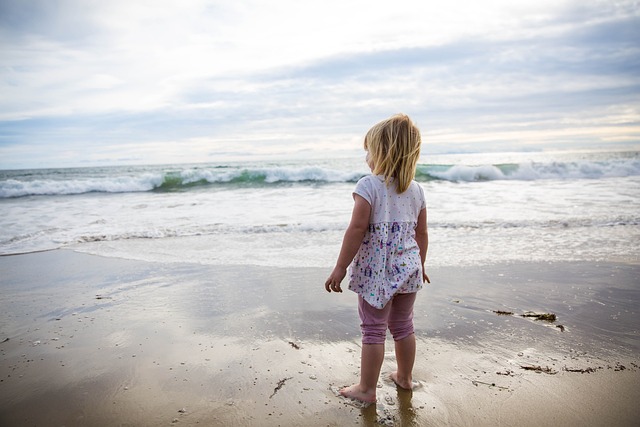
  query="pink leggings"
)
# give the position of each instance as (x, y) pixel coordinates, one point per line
(397, 315)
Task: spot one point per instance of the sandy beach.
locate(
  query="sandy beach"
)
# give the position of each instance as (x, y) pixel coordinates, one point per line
(92, 341)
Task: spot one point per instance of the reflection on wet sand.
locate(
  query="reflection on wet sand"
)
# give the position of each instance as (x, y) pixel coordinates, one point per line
(109, 342)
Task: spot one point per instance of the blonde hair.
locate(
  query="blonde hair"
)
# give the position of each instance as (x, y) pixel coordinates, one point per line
(394, 147)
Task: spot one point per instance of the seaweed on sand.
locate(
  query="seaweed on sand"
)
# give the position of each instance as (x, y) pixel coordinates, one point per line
(582, 371)
(548, 317)
(279, 386)
(539, 369)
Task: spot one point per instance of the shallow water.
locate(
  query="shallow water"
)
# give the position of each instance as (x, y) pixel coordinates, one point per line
(482, 208)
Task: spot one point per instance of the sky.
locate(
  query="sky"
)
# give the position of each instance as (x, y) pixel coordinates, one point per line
(86, 83)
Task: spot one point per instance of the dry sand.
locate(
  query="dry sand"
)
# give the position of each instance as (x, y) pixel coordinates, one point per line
(97, 341)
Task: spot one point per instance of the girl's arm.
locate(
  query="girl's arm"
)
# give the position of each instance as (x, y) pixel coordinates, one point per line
(422, 238)
(350, 243)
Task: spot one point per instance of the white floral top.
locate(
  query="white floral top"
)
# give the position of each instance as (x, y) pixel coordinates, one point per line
(388, 261)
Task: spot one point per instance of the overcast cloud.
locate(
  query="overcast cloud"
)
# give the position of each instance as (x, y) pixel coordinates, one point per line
(94, 82)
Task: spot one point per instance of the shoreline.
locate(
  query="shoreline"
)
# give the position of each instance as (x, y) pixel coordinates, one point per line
(104, 341)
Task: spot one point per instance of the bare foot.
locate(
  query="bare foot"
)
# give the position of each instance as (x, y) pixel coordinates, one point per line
(353, 392)
(405, 384)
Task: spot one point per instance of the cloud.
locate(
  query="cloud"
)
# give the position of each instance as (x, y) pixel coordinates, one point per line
(133, 80)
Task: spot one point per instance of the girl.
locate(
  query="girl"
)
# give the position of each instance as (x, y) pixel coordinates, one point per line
(385, 245)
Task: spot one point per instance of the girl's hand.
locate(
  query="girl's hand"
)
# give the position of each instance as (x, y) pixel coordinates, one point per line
(425, 278)
(334, 280)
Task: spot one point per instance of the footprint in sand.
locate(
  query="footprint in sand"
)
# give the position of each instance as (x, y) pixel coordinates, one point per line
(390, 400)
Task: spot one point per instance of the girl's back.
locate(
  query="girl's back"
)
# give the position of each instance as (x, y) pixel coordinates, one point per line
(387, 205)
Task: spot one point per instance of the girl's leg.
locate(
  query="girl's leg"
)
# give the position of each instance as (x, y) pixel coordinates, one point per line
(401, 325)
(374, 328)
(405, 357)
(370, 365)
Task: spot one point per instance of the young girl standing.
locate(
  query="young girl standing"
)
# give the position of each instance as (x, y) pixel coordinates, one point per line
(385, 246)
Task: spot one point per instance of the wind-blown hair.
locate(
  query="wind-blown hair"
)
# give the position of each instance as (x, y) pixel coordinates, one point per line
(394, 149)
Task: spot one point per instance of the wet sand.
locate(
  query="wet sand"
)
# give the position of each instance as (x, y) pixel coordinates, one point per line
(87, 340)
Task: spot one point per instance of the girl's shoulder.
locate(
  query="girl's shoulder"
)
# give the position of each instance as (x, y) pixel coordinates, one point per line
(370, 187)
(417, 192)
(370, 181)
(372, 177)
(415, 185)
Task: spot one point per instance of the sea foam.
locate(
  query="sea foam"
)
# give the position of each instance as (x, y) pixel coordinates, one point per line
(116, 184)
(530, 171)
(184, 178)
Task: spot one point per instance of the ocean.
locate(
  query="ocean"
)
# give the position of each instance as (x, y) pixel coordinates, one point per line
(482, 209)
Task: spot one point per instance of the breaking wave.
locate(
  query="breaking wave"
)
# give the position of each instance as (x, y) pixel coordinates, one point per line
(142, 179)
